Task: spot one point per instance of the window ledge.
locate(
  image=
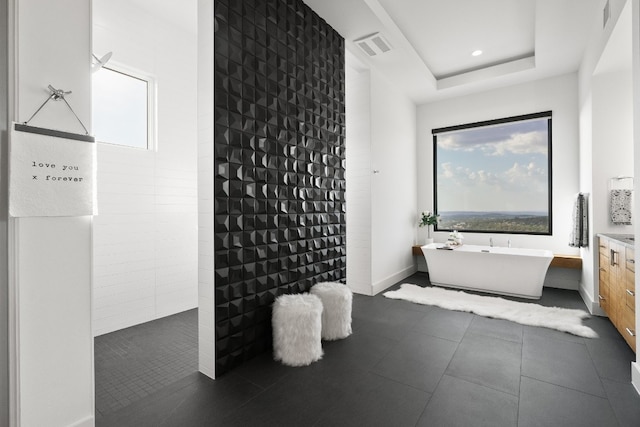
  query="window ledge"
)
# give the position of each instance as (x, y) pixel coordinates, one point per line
(563, 261)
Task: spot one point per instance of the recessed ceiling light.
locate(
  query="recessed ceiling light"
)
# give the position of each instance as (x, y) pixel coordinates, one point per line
(476, 53)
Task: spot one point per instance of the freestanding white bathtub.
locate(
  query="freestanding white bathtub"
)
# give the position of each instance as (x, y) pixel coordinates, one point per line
(510, 271)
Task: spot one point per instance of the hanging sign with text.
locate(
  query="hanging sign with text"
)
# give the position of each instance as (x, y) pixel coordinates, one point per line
(51, 173)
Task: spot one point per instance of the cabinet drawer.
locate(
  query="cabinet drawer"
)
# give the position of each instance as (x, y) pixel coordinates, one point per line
(628, 327)
(604, 246)
(630, 290)
(630, 299)
(603, 271)
(603, 297)
(631, 260)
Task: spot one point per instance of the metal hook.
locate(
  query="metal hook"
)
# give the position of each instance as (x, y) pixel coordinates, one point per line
(57, 95)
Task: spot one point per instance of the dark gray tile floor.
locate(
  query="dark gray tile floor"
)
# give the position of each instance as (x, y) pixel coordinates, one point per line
(136, 362)
(412, 365)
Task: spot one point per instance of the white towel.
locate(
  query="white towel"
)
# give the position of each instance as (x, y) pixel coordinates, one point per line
(620, 206)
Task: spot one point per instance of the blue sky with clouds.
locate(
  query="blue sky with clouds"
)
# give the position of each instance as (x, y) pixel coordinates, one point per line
(494, 168)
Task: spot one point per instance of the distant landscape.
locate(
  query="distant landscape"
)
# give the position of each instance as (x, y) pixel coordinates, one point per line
(518, 222)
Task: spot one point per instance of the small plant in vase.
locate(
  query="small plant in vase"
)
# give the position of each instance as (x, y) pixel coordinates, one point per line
(428, 219)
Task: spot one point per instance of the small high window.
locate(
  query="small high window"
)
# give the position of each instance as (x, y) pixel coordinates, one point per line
(123, 112)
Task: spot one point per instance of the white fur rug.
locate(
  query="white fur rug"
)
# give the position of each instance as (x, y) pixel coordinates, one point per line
(561, 319)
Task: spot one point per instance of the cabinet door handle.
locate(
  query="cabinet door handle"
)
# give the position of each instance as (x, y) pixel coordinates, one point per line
(630, 332)
(603, 246)
(630, 292)
(601, 298)
(631, 260)
(613, 257)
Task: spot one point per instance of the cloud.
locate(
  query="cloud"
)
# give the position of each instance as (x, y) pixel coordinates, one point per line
(518, 187)
(519, 177)
(447, 170)
(467, 177)
(498, 141)
(454, 142)
(524, 171)
(521, 143)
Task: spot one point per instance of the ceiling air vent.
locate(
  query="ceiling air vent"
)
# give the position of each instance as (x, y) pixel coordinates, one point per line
(373, 44)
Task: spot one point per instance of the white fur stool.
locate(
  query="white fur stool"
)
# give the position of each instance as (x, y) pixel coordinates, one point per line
(297, 328)
(336, 315)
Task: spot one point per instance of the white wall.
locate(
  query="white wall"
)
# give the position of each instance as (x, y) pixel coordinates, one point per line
(393, 203)
(358, 176)
(586, 178)
(206, 250)
(635, 66)
(612, 144)
(605, 147)
(558, 94)
(381, 181)
(51, 273)
(604, 151)
(145, 236)
(4, 267)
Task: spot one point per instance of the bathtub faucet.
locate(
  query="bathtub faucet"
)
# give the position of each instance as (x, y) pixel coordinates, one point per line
(491, 241)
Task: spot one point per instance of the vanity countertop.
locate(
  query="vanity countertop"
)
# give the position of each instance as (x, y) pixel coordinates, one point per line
(627, 240)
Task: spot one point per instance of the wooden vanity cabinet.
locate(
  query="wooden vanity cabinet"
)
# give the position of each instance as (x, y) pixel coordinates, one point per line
(617, 286)
(603, 293)
(628, 306)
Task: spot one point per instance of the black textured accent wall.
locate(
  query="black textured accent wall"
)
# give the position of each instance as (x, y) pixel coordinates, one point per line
(279, 165)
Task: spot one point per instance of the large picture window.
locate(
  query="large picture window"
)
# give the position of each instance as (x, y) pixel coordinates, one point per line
(494, 176)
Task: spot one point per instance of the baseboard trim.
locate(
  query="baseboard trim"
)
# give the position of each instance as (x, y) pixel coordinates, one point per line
(635, 376)
(592, 306)
(391, 280)
(360, 287)
(366, 292)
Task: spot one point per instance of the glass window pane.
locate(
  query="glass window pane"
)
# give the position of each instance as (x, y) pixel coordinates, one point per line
(495, 178)
(120, 114)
